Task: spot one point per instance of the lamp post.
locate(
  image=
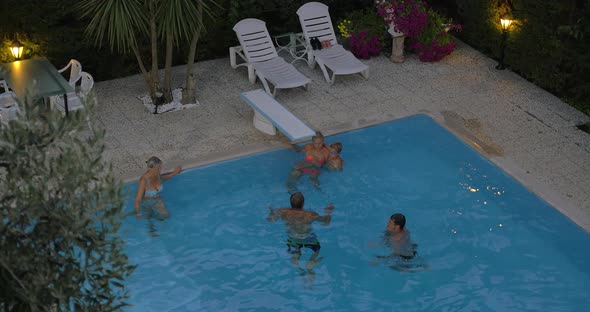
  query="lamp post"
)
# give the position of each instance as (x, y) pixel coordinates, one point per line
(16, 49)
(505, 22)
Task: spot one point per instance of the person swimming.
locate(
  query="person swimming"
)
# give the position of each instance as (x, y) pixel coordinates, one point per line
(404, 255)
(298, 222)
(334, 161)
(316, 155)
(150, 188)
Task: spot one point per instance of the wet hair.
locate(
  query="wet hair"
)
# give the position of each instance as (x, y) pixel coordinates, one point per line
(398, 219)
(297, 200)
(337, 146)
(153, 162)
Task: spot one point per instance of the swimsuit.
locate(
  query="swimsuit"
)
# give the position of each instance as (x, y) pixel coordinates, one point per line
(152, 202)
(155, 192)
(311, 170)
(311, 242)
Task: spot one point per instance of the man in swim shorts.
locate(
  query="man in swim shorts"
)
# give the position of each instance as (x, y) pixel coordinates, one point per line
(299, 228)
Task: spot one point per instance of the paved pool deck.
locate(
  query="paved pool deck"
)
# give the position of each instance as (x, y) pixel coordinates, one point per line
(528, 132)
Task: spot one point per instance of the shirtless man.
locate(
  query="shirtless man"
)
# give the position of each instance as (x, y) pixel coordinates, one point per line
(397, 237)
(316, 155)
(299, 228)
(404, 257)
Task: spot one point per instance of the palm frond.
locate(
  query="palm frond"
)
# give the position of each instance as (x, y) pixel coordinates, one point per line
(120, 21)
(182, 18)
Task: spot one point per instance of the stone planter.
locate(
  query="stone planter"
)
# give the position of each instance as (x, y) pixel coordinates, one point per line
(397, 47)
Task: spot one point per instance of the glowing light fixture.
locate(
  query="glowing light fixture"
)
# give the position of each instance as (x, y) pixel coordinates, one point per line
(505, 22)
(16, 49)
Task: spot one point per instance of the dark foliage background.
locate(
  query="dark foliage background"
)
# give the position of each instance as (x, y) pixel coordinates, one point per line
(53, 28)
(548, 44)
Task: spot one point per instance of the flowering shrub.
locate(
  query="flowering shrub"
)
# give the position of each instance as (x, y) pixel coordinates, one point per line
(426, 29)
(408, 16)
(435, 42)
(364, 46)
(345, 28)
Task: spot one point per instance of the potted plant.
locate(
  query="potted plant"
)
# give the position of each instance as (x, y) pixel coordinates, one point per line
(426, 30)
(405, 18)
(408, 17)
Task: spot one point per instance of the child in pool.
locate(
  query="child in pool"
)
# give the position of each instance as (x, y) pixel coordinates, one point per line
(334, 161)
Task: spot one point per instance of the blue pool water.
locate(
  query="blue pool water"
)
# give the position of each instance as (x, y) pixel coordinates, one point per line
(490, 245)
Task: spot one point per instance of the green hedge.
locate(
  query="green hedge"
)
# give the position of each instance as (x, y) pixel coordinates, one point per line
(54, 29)
(548, 44)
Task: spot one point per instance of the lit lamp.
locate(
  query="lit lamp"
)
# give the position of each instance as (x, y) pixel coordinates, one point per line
(505, 22)
(16, 49)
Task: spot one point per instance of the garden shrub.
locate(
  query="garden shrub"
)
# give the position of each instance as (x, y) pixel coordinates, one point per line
(59, 32)
(548, 43)
(365, 32)
(60, 212)
(426, 30)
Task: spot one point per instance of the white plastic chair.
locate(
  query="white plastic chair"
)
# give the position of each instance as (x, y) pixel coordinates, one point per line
(75, 71)
(315, 21)
(262, 55)
(8, 104)
(75, 99)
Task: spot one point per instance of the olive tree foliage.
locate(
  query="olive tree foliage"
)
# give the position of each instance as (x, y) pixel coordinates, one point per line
(60, 216)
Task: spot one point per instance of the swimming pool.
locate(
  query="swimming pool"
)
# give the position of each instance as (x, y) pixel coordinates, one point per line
(488, 242)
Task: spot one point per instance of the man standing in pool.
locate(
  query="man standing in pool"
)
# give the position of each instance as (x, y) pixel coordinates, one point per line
(299, 228)
(397, 237)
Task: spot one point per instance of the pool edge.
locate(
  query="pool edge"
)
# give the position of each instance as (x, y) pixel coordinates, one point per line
(505, 163)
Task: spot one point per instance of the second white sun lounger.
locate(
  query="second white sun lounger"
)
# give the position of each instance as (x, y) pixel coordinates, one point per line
(268, 113)
(262, 55)
(316, 23)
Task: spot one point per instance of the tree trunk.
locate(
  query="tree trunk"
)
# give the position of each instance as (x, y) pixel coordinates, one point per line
(190, 89)
(144, 72)
(168, 68)
(154, 42)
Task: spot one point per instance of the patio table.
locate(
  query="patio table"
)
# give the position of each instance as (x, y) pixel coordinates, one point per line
(36, 76)
(294, 43)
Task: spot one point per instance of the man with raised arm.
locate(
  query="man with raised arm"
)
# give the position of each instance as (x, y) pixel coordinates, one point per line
(299, 228)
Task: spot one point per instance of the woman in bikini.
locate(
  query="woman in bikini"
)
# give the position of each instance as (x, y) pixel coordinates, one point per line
(316, 155)
(150, 186)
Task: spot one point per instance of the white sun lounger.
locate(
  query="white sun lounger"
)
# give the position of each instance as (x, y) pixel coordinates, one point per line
(261, 54)
(268, 113)
(315, 22)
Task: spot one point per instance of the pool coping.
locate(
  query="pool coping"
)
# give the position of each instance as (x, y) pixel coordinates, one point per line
(506, 163)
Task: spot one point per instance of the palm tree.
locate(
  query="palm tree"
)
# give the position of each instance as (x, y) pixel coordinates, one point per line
(189, 94)
(177, 19)
(122, 21)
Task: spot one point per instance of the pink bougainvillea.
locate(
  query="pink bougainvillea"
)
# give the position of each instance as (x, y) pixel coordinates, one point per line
(426, 29)
(409, 17)
(363, 46)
